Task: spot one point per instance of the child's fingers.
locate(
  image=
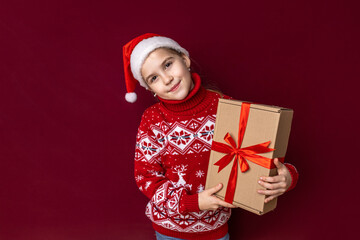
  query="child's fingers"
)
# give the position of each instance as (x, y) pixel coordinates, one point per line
(271, 192)
(274, 179)
(278, 164)
(225, 204)
(215, 189)
(215, 201)
(268, 199)
(272, 186)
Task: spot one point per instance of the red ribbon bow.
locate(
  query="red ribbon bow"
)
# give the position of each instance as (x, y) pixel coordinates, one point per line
(241, 154)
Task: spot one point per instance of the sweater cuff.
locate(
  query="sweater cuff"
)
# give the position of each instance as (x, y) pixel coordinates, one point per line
(294, 175)
(189, 203)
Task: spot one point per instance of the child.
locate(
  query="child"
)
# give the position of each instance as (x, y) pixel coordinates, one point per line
(174, 140)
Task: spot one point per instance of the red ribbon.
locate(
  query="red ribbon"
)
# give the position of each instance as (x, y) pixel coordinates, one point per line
(241, 154)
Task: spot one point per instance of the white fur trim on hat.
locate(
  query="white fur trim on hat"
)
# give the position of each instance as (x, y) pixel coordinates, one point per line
(144, 48)
(131, 97)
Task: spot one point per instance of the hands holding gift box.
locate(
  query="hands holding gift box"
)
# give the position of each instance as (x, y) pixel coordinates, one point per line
(208, 201)
(276, 185)
(251, 169)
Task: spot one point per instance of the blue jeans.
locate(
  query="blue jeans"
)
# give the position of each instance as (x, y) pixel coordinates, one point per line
(163, 237)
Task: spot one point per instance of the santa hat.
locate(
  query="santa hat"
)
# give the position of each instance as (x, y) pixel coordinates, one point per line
(134, 54)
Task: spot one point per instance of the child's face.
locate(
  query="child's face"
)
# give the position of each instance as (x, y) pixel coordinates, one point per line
(166, 73)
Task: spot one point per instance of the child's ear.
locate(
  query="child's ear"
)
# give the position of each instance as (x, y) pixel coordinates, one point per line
(186, 59)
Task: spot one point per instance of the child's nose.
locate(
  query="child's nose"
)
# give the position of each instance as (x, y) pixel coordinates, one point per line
(167, 79)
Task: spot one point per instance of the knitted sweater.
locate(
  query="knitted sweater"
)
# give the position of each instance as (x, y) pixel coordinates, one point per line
(171, 161)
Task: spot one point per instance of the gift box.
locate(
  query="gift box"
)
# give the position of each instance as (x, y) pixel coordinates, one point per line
(247, 137)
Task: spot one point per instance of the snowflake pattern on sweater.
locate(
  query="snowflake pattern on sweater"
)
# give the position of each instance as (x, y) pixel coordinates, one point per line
(171, 161)
(177, 138)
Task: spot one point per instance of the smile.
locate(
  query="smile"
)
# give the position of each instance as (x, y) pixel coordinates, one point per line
(175, 87)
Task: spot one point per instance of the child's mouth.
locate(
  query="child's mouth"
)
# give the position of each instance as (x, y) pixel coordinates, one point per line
(174, 88)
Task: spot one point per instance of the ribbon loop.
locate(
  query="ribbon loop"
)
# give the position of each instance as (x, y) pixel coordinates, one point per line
(230, 140)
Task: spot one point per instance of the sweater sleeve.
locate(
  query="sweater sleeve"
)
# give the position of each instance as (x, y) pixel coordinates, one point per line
(294, 175)
(150, 173)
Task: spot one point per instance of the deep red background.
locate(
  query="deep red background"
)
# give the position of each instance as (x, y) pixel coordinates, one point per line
(67, 135)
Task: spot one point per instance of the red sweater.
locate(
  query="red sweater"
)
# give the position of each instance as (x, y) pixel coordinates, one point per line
(171, 161)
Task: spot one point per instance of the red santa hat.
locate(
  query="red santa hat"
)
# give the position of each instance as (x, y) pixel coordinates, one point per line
(134, 54)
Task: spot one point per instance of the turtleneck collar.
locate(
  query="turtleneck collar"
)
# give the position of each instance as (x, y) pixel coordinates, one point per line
(194, 98)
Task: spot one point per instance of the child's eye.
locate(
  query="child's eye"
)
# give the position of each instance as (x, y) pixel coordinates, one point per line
(168, 64)
(152, 79)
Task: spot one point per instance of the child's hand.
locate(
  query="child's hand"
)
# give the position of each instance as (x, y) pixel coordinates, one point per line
(207, 201)
(276, 185)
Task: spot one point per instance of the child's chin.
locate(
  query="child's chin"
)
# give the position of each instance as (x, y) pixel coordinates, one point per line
(180, 97)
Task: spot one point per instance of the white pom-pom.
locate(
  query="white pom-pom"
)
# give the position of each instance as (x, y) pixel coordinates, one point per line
(131, 97)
